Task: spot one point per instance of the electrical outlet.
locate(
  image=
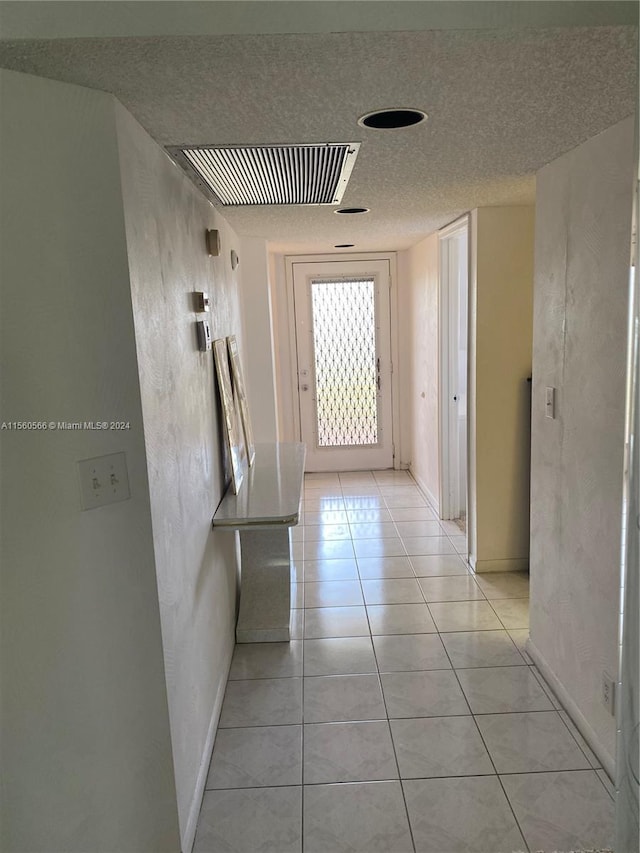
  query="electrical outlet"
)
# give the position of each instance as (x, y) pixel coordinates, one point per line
(609, 693)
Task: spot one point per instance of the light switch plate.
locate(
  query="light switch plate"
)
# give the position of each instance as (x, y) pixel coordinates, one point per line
(103, 480)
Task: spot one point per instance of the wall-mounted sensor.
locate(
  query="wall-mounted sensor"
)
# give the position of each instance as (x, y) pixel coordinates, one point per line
(204, 335)
(213, 242)
(201, 302)
(235, 260)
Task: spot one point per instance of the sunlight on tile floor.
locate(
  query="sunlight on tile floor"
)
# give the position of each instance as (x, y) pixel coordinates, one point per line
(404, 715)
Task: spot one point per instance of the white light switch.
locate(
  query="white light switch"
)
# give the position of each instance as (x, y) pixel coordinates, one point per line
(103, 480)
(549, 402)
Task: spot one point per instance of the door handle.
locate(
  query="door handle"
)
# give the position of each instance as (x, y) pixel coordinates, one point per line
(378, 382)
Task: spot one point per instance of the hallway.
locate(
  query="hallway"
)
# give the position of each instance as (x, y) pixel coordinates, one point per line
(405, 714)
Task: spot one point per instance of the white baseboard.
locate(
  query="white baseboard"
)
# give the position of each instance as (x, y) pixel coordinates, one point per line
(608, 762)
(432, 499)
(189, 835)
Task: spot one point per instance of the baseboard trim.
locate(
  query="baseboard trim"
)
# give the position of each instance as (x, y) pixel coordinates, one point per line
(593, 742)
(514, 565)
(431, 498)
(189, 837)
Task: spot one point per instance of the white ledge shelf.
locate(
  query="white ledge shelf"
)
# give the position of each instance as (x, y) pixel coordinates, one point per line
(267, 504)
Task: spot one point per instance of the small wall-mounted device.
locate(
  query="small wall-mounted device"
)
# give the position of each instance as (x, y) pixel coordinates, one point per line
(204, 335)
(549, 402)
(235, 260)
(201, 302)
(213, 242)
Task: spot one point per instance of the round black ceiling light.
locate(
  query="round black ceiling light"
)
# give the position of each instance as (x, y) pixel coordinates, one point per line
(344, 245)
(352, 210)
(392, 119)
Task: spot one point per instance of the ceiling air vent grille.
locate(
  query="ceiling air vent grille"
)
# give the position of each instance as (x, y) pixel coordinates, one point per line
(270, 174)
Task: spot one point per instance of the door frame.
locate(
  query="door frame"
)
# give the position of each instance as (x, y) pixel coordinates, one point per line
(391, 258)
(444, 324)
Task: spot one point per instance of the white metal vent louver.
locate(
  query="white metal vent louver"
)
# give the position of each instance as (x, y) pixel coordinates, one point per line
(270, 174)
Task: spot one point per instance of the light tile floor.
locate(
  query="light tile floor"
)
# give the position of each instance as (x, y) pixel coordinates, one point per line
(404, 716)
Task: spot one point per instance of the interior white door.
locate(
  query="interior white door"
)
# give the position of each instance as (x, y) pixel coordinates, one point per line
(454, 266)
(343, 343)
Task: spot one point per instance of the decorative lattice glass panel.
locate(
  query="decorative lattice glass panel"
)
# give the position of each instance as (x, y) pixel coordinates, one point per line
(344, 339)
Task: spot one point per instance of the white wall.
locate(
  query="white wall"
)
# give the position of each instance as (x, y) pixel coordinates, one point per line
(86, 753)
(419, 289)
(166, 219)
(258, 357)
(502, 249)
(583, 226)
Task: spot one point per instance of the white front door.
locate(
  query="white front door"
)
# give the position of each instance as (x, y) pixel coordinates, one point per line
(343, 343)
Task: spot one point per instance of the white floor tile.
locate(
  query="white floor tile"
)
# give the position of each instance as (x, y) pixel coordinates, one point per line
(262, 702)
(330, 549)
(437, 565)
(562, 811)
(238, 821)
(341, 656)
(261, 756)
(368, 516)
(332, 594)
(391, 547)
(418, 528)
(439, 746)
(423, 694)
(413, 513)
(499, 690)
(512, 612)
(336, 622)
(348, 752)
(469, 649)
(467, 815)
(374, 568)
(392, 591)
(454, 588)
(343, 698)
(427, 545)
(530, 742)
(330, 570)
(374, 530)
(504, 584)
(407, 652)
(326, 532)
(464, 616)
(400, 619)
(367, 817)
(266, 660)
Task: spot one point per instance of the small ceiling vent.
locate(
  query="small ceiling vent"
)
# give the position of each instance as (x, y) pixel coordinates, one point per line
(270, 174)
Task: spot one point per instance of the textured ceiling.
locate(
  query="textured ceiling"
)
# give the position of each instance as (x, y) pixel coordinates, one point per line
(501, 104)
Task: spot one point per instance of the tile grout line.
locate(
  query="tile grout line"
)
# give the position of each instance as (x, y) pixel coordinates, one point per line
(475, 722)
(393, 745)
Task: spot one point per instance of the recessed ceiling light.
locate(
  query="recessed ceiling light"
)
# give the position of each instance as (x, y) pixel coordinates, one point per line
(352, 210)
(392, 119)
(344, 246)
